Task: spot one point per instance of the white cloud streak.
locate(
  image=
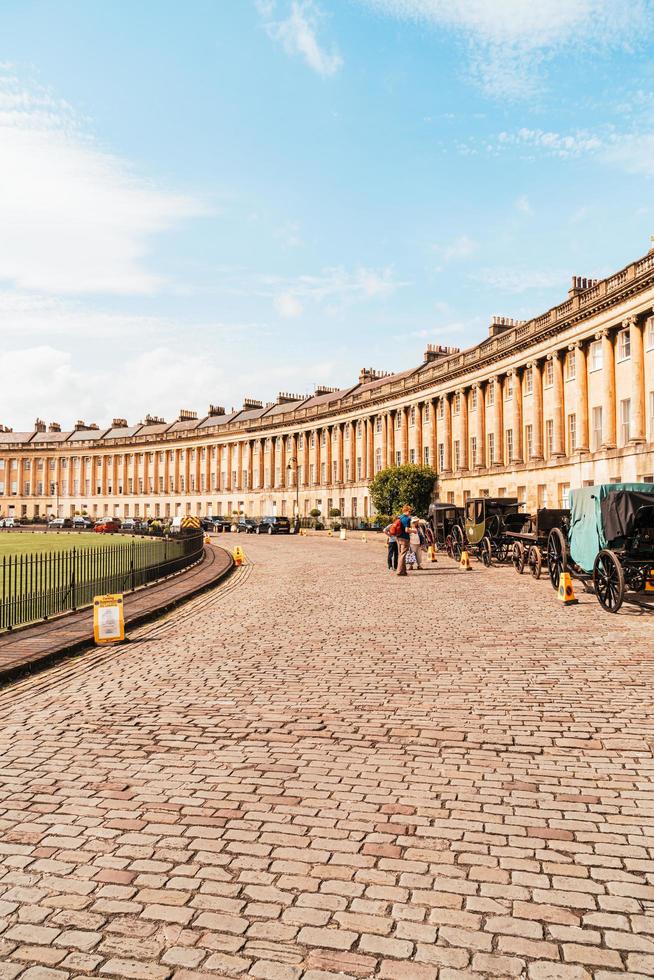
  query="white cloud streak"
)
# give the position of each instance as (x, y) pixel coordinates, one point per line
(298, 35)
(74, 218)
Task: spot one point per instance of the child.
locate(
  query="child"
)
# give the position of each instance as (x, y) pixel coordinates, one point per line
(391, 557)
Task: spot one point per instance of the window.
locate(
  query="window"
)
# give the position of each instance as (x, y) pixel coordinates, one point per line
(597, 428)
(549, 373)
(26, 488)
(491, 393)
(425, 415)
(571, 366)
(359, 470)
(27, 465)
(412, 455)
(457, 454)
(473, 400)
(379, 423)
(441, 408)
(508, 391)
(313, 440)
(564, 494)
(412, 415)
(649, 334)
(457, 403)
(312, 473)
(473, 450)
(596, 356)
(625, 416)
(378, 460)
(529, 381)
(509, 445)
(441, 456)
(529, 441)
(398, 458)
(426, 455)
(347, 469)
(541, 495)
(398, 420)
(323, 472)
(323, 438)
(491, 448)
(651, 416)
(624, 345)
(572, 433)
(549, 436)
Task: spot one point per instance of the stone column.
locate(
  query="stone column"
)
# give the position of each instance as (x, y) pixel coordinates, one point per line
(419, 449)
(316, 457)
(558, 440)
(250, 464)
(71, 476)
(353, 451)
(239, 466)
(581, 372)
(155, 471)
(537, 416)
(516, 422)
(340, 454)
(637, 427)
(228, 468)
(370, 471)
(480, 428)
(463, 428)
(328, 456)
(391, 438)
(384, 445)
(608, 378)
(272, 460)
(405, 434)
(262, 463)
(282, 462)
(433, 434)
(447, 434)
(187, 471)
(499, 421)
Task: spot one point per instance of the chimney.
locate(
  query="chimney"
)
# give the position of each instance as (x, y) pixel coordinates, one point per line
(500, 324)
(284, 398)
(119, 423)
(153, 420)
(39, 426)
(435, 352)
(186, 415)
(80, 426)
(249, 403)
(54, 427)
(214, 410)
(325, 390)
(579, 283)
(369, 374)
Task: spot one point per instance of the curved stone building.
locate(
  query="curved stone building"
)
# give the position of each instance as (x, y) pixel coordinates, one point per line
(536, 408)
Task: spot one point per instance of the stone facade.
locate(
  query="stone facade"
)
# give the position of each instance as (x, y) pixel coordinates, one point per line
(539, 407)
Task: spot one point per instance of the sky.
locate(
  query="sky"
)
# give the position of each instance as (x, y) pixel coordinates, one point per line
(219, 199)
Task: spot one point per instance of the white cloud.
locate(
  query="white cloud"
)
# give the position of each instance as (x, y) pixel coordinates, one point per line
(461, 248)
(509, 39)
(515, 280)
(74, 218)
(632, 153)
(298, 34)
(555, 144)
(522, 205)
(288, 305)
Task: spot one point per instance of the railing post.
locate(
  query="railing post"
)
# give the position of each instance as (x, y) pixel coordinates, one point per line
(132, 565)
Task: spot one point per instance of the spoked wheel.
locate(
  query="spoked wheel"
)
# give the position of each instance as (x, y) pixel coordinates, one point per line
(486, 551)
(608, 579)
(557, 556)
(448, 546)
(534, 561)
(519, 557)
(457, 542)
(503, 552)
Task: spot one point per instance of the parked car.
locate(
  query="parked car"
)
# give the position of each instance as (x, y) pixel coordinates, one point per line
(274, 525)
(60, 522)
(247, 526)
(9, 522)
(82, 522)
(107, 525)
(134, 524)
(216, 524)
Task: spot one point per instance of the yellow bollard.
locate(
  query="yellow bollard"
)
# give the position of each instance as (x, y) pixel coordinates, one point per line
(566, 592)
(238, 556)
(207, 539)
(465, 562)
(330, 533)
(432, 552)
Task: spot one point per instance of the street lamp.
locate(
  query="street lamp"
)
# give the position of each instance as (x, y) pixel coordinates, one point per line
(292, 460)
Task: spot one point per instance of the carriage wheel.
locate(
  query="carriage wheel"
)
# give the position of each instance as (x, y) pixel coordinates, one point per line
(518, 557)
(502, 551)
(557, 556)
(608, 579)
(534, 561)
(449, 546)
(493, 526)
(457, 542)
(486, 551)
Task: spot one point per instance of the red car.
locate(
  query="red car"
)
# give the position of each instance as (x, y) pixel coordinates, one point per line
(107, 525)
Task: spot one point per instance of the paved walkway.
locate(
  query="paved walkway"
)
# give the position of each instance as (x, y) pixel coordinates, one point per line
(320, 771)
(35, 646)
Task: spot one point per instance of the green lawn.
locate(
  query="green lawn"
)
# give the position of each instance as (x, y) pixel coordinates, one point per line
(39, 543)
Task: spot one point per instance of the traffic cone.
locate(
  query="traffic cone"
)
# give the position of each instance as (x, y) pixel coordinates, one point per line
(465, 562)
(432, 552)
(566, 592)
(238, 556)
(330, 533)
(207, 539)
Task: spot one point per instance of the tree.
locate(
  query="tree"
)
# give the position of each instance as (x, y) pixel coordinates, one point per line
(396, 486)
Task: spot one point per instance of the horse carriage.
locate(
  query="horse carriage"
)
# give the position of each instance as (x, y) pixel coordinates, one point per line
(444, 517)
(487, 523)
(529, 547)
(608, 541)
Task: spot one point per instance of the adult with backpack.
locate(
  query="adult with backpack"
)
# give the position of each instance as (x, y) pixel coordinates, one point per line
(400, 530)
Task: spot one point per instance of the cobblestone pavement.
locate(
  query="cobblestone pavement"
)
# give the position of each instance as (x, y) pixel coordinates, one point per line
(321, 770)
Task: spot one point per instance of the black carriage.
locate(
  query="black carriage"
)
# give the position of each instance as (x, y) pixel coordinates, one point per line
(487, 523)
(529, 543)
(444, 518)
(609, 542)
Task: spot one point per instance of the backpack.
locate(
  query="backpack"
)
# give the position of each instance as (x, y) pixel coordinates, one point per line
(396, 527)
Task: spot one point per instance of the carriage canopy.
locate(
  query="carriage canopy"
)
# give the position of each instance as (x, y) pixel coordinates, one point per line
(602, 515)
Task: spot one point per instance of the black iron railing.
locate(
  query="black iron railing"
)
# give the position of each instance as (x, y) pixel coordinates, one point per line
(37, 586)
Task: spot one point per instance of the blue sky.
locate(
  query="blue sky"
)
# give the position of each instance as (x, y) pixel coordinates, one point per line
(211, 200)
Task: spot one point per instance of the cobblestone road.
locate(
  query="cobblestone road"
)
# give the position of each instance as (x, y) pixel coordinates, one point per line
(322, 771)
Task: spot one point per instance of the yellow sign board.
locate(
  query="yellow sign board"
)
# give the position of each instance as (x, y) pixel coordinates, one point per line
(189, 521)
(108, 619)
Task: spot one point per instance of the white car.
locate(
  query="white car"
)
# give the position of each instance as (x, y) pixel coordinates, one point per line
(9, 522)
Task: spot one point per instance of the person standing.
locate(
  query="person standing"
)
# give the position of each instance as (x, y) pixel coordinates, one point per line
(403, 539)
(392, 547)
